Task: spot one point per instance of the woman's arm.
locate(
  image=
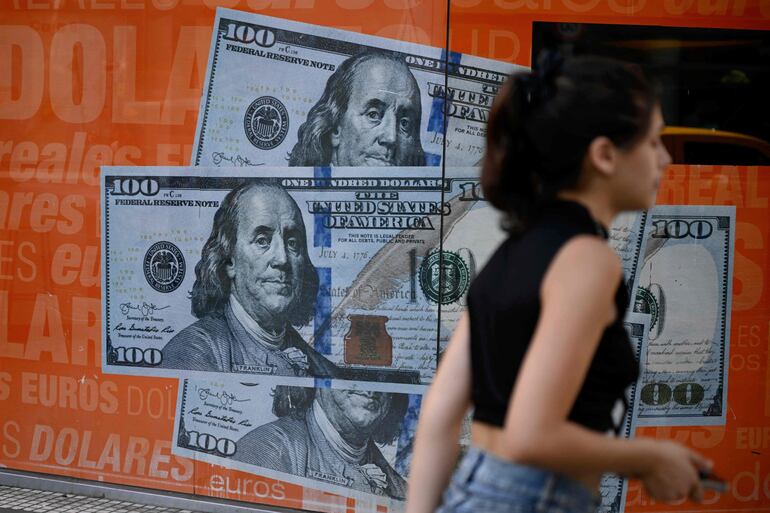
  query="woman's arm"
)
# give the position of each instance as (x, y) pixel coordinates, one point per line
(577, 303)
(436, 443)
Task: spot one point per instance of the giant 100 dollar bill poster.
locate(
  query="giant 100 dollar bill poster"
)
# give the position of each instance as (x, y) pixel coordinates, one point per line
(678, 321)
(283, 93)
(684, 284)
(354, 442)
(296, 274)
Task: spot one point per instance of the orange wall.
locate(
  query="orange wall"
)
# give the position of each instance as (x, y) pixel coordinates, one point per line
(85, 83)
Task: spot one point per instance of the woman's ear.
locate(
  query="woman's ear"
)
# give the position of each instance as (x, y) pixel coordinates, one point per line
(602, 155)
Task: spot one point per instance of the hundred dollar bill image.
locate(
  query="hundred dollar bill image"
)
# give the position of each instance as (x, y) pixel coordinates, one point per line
(355, 442)
(298, 273)
(685, 284)
(279, 92)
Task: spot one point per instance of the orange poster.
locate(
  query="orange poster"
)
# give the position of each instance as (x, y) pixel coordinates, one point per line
(92, 83)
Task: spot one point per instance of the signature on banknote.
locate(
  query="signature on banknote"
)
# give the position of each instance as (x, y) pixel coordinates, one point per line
(234, 160)
(146, 309)
(225, 398)
(209, 415)
(143, 329)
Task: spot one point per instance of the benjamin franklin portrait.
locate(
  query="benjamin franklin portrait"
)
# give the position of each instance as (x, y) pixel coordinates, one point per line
(253, 284)
(331, 436)
(368, 115)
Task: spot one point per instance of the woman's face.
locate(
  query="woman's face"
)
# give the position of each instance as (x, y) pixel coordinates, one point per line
(640, 168)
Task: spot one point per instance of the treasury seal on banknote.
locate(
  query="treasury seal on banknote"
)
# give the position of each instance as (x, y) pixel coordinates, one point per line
(164, 266)
(266, 122)
(446, 272)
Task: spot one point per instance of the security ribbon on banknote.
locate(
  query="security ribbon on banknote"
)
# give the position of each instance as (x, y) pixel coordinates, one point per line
(279, 92)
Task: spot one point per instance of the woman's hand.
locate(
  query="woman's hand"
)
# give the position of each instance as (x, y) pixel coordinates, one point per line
(673, 474)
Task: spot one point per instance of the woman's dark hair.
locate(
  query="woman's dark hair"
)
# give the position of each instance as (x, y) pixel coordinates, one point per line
(542, 123)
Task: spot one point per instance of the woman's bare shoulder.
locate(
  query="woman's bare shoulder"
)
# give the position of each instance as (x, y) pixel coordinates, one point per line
(585, 266)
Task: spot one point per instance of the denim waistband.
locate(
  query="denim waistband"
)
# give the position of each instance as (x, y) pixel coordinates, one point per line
(508, 479)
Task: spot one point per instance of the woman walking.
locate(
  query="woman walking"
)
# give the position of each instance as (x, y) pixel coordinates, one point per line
(541, 354)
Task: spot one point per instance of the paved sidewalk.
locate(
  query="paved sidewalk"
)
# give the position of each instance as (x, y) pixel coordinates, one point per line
(24, 500)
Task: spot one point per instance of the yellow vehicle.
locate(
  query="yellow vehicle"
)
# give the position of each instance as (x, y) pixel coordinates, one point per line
(689, 145)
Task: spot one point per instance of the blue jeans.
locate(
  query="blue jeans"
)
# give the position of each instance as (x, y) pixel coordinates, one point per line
(485, 484)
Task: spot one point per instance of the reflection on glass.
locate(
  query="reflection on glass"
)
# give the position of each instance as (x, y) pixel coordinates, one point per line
(714, 83)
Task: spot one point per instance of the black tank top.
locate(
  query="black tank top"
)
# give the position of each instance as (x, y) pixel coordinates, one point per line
(504, 307)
